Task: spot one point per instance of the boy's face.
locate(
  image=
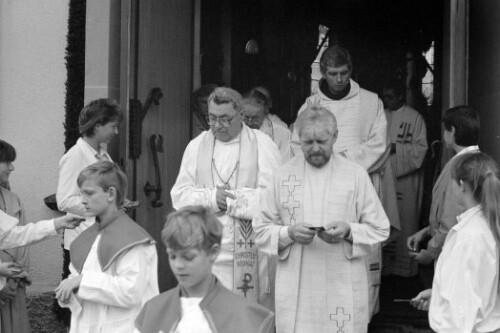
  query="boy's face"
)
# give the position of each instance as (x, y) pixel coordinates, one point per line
(104, 133)
(95, 200)
(190, 266)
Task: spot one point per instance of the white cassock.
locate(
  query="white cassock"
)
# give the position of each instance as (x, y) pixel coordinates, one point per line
(362, 138)
(321, 287)
(465, 287)
(407, 131)
(110, 301)
(280, 135)
(189, 189)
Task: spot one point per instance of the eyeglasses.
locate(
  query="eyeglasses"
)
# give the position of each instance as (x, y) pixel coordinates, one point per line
(224, 121)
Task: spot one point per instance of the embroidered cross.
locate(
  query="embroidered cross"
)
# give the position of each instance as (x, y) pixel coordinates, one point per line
(405, 135)
(246, 283)
(340, 317)
(291, 204)
(291, 183)
(241, 243)
(251, 243)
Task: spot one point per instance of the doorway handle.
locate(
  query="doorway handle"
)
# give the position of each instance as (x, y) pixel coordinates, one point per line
(137, 114)
(156, 145)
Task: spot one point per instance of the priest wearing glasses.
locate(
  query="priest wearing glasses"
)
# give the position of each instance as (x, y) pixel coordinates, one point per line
(227, 168)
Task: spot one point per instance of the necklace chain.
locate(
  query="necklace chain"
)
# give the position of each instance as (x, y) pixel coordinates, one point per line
(226, 183)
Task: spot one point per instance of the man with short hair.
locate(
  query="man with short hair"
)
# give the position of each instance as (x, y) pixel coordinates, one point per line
(225, 169)
(362, 134)
(408, 138)
(322, 217)
(255, 116)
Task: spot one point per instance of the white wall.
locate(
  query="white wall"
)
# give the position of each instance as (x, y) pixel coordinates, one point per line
(32, 91)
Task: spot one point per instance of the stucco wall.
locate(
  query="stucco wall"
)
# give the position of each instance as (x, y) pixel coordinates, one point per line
(32, 77)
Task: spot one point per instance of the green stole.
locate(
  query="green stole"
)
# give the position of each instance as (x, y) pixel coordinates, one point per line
(245, 262)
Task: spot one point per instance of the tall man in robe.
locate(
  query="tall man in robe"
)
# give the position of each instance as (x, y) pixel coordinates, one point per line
(362, 135)
(322, 217)
(255, 116)
(407, 134)
(226, 169)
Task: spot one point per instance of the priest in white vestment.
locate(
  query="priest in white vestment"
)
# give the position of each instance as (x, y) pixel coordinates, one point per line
(255, 116)
(362, 134)
(226, 169)
(408, 137)
(322, 217)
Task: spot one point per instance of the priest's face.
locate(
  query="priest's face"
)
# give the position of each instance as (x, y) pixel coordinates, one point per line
(253, 115)
(391, 100)
(337, 78)
(224, 120)
(317, 144)
(191, 266)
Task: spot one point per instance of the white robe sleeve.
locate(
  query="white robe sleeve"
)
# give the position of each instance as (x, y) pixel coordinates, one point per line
(246, 205)
(466, 281)
(368, 153)
(27, 234)
(268, 225)
(410, 156)
(373, 227)
(124, 288)
(185, 192)
(68, 193)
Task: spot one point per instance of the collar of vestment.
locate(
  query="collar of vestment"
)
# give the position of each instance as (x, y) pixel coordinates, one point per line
(118, 235)
(222, 309)
(323, 86)
(248, 160)
(469, 149)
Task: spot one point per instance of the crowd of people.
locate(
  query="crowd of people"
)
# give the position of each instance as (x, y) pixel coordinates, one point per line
(274, 230)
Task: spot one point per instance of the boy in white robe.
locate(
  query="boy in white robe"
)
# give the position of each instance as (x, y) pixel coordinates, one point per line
(321, 282)
(113, 263)
(192, 236)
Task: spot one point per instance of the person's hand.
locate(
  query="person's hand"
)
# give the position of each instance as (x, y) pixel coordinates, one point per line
(68, 221)
(336, 232)
(10, 269)
(66, 288)
(7, 294)
(221, 196)
(413, 242)
(423, 257)
(422, 300)
(301, 233)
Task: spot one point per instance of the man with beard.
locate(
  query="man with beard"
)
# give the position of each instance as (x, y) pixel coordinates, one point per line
(362, 135)
(322, 217)
(255, 116)
(225, 169)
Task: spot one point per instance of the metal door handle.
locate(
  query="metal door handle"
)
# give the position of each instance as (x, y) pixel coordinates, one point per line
(156, 145)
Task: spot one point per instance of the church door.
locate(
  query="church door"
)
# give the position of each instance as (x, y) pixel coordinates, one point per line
(156, 62)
